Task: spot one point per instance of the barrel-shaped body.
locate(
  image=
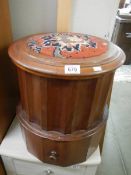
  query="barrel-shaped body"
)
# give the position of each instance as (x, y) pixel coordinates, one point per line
(62, 105)
(63, 113)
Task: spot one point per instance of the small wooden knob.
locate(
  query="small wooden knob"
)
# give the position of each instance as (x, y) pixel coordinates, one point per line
(53, 155)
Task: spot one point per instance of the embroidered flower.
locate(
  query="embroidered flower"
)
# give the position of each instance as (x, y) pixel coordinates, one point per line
(65, 45)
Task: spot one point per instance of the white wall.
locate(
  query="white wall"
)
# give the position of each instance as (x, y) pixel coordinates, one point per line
(32, 16)
(94, 17)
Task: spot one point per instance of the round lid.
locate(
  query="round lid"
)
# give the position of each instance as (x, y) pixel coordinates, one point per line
(66, 54)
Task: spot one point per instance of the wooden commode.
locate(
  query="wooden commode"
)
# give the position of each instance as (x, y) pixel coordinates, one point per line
(65, 80)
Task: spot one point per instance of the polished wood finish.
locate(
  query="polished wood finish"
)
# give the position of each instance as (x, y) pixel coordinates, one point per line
(74, 105)
(53, 67)
(8, 82)
(58, 149)
(63, 116)
(108, 104)
(64, 9)
(5, 29)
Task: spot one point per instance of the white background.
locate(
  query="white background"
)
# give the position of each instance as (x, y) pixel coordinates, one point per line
(95, 17)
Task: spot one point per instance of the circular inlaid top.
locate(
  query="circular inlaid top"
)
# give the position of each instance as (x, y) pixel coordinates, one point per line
(66, 55)
(67, 45)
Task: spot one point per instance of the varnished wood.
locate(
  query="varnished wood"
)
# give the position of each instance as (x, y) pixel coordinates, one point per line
(45, 66)
(64, 8)
(66, 153)
(65, 26)
(108, 103)
(63, 114)
(81, 102)
(5, 29)
(8, 81)
(8, 85)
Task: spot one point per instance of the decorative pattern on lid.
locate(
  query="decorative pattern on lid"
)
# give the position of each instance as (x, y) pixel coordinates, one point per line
(67, 45)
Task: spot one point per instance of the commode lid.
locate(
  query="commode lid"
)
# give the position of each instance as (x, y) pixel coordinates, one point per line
(67, 55)
(67, 45)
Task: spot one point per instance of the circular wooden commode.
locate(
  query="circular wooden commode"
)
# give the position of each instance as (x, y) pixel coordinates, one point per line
(65, 81)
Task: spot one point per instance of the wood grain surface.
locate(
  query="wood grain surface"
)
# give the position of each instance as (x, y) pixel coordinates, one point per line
(64, 9)
(8, 81)
(65, 106)
(63, 113)
(56, 111)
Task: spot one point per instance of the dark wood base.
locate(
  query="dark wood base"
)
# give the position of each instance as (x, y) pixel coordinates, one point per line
(61, 149)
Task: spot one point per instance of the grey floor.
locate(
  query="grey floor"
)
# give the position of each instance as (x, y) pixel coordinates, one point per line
(116, 156)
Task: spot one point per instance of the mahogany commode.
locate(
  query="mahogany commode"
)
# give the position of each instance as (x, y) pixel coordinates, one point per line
(65, 81)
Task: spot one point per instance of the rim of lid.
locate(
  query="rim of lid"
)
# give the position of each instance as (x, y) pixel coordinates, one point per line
(42, 65)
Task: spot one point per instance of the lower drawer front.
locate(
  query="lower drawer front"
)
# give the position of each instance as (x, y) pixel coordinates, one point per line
(19, 167)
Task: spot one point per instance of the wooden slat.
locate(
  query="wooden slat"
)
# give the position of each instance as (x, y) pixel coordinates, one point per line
(108, 103)
(8, 85)
(5, 26)
(64, 8)
(6, 106)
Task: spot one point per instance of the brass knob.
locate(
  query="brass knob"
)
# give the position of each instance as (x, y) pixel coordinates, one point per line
(49, 172)
(53, 155)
